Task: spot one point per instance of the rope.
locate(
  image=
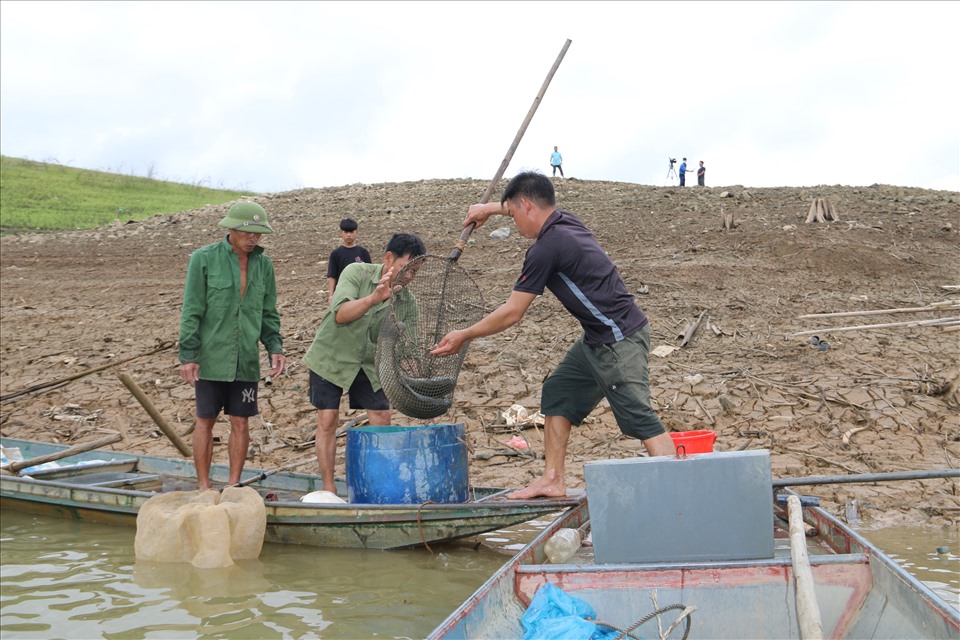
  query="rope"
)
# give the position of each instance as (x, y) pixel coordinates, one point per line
(420, 525)
(627, 633)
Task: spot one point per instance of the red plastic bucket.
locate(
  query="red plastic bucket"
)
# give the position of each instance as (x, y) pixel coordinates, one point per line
(694, 441)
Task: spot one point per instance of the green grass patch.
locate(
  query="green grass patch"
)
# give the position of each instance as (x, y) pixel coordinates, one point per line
(46, 197)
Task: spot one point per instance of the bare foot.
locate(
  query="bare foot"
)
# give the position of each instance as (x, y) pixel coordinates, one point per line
(542, 488)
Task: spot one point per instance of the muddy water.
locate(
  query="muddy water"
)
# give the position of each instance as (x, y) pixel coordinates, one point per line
(931, 555)
(64, 579)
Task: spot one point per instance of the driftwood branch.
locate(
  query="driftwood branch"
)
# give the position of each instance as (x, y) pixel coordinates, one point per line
(689, 330)
(53, 383)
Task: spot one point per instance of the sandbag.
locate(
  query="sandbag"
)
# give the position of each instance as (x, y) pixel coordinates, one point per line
(208, 529)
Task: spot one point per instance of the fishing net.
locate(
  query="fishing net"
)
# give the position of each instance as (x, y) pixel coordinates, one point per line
(208, 529)
(437, 296)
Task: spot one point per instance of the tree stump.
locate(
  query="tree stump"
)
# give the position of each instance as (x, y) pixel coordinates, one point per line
(821, 210)
(726, 220)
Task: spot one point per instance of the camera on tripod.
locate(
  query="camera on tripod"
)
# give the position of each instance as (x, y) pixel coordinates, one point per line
(673, 161)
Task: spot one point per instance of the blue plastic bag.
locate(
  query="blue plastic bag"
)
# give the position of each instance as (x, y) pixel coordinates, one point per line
(554, 614)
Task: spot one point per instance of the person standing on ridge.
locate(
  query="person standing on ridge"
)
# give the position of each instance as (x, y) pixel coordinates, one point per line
(683, 172)
(556, 161)
(347, 253)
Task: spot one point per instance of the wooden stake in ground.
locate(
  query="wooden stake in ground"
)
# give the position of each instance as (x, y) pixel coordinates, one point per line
(821, 210)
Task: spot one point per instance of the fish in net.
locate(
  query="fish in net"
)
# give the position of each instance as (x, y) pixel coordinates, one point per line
(437, 296)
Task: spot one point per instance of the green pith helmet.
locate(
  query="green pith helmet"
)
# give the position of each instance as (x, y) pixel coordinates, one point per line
(247, 216)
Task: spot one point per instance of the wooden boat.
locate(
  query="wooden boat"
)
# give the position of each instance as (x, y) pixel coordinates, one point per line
(110, 486)
(861, 592)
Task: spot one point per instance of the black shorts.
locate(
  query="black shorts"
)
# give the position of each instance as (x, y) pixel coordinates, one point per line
(326, 395)
(233, 398)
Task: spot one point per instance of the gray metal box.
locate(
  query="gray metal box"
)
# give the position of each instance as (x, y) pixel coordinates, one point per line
(709, 506)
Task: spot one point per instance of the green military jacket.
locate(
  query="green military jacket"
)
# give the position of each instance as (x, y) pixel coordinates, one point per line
(218, 329)
(340, 351)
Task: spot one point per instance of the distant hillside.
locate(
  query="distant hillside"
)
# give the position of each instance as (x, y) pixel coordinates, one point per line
(45, 196)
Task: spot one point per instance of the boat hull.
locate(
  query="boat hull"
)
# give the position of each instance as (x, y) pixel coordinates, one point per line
(110, 487)
(861, 592)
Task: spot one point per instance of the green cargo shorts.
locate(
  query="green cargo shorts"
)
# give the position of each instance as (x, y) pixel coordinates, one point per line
(617, 372)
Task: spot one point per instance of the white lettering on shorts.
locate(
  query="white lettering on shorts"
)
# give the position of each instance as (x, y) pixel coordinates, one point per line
(249, 395)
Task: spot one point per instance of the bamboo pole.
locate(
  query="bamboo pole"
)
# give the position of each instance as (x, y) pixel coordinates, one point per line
(72, 451)
(142, 398)
(867, 477)
(808, 612)
(875, 312)
(265, 474)
(911, 323)
(461, 243)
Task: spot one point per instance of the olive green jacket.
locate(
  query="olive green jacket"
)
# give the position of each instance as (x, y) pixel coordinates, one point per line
(219, 329)
(340, 351)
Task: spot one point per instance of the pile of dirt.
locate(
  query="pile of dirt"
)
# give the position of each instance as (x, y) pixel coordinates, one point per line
(873, 400)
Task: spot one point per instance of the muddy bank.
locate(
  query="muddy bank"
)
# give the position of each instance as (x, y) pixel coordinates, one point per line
(875, 400)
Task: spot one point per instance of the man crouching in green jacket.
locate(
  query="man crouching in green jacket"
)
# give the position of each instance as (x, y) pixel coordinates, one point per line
(229, 305)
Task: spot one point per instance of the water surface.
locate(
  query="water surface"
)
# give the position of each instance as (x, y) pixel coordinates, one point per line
(66, 579)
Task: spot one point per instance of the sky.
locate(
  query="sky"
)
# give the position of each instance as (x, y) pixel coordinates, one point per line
(274, 96)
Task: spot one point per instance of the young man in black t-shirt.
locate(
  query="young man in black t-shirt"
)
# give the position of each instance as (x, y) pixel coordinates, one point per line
(347, 253)
(610, 358)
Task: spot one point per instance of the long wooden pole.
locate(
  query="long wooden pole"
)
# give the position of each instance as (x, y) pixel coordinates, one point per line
(461, 243)
(911, 323)
(72, 451)
(145, 402)
(937, 306)
(808, 611)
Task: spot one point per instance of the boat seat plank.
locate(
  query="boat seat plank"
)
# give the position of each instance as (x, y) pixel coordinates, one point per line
(86, 468)
(115, 480)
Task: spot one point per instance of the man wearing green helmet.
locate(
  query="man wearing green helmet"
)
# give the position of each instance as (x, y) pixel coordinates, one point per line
(229, 307)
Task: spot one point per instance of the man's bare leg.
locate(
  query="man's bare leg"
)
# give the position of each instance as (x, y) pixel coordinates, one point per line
(238, 446)
(326, 446)
(661, 445)
(556, 433)
(378, 418)
(203, 450)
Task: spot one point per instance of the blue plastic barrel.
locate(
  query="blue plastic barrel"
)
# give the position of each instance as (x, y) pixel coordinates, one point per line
(407, 465)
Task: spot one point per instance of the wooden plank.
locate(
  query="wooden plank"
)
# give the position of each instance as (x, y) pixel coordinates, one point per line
(16, 467)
